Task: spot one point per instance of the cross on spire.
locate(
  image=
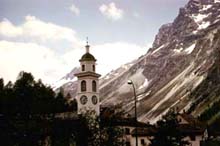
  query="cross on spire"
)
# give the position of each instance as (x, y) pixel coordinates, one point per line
(87, 41)
(87, 45)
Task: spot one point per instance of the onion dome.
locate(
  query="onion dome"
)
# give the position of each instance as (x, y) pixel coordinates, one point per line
(87, 56)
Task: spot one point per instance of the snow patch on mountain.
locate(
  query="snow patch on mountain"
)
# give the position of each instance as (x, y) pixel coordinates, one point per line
(142, 96)
(62, 81)
(206, 7)
(203, 25)
(199, 17)
(200, 20)
(178, 50)
(127, 66)
(190, 49)
(145, 84)
(157, 49)
(217, 20)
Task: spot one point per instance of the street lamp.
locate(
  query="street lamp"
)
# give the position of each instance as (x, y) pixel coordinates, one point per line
(130, 82)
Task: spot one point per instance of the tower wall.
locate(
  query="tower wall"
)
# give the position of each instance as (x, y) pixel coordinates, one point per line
(88, 66)
(88, 85)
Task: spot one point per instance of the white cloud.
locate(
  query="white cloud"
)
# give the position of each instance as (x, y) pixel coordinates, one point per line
(109, 55)
(113, 55)
(74, 10)
(111, 11)
(38, 30)
(43, 61)
(9, 30)
(40, 61)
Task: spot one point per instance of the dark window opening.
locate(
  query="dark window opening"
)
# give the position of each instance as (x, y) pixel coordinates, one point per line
(127, 131)
(83, 86)
(142, 142)
(94, 86)
(128, 143)
(83, 67)
(192, 137)
(93, 67)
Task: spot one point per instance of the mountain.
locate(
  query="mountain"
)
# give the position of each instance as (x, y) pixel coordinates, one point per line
(67, 83)
(180, 71)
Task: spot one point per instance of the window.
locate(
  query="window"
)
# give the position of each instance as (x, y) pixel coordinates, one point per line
(83, 67)
(83, 86)
(127, 143)
(94, 86)
(127, 131)
(93, 67)
(142, 142)
(193, 137)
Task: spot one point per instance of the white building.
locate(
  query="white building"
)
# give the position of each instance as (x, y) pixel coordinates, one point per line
(191, 128)
(88, 84)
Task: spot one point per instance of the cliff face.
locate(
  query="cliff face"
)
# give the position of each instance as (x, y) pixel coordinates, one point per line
(178, 72)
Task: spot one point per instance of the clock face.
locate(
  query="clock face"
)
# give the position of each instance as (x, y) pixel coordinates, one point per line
(94, 99)
(83, 99)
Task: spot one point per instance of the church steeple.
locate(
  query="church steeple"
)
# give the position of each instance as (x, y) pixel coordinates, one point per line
(87, 56)
(88, 87)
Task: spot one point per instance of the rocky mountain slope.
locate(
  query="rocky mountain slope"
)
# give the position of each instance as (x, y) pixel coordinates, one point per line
(180, 71)
(68, 83)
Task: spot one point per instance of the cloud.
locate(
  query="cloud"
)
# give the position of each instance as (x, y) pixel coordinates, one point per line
(111, 11)
(41, 61)
(35, 29)
(47, 63)
(9, 30)
(107, 58)
(44, 63)
(74, 10)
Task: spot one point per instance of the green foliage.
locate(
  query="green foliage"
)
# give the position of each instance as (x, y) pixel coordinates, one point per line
(25, 108)
(29, 98)
(1, 85)
(27, 117)
(208, 88)
(168, 133)
(111, 136)
(73, 105)
(210, 112)
(211, 143)
(101, 135)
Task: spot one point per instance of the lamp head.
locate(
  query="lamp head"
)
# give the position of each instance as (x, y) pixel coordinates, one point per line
(130, 82)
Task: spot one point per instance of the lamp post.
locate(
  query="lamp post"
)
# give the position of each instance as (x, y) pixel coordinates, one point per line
(130, 82)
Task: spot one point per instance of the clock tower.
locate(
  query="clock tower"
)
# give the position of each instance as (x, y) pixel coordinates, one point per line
(88, 84)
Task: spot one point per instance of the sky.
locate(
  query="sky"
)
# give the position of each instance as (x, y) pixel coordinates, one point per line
(47, 37)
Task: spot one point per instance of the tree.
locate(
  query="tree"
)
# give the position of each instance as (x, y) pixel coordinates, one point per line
(101, 134)
(1, 84)
(60, 103)
(168, 133)
(73, 105)
(25, 107)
